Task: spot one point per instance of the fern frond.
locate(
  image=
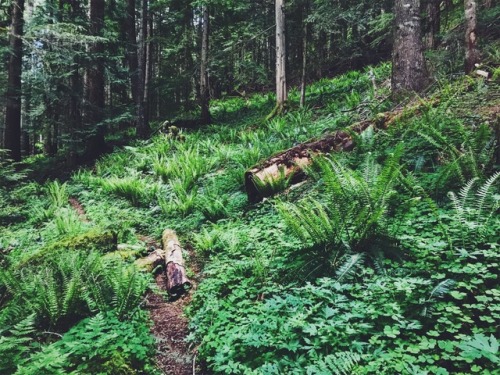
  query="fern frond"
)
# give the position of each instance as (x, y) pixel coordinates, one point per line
(440, 290)
(351, 262)
(342, 363)
(483, 194)
(464, 193)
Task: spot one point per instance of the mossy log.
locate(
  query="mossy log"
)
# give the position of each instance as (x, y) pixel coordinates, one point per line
(152, 261)
(94, 239)
(290, 163)
(177, 281)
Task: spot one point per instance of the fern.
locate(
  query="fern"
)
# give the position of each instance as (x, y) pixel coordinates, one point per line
(348, 267)
(439, 291)
(341, 363)
(15, 344)
(473, 214)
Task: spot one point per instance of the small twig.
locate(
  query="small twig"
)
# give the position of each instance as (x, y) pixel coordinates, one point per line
(53, 333)
(194, 364)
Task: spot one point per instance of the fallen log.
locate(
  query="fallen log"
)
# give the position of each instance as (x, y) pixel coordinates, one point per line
(152, 261)
(290, 164)
(177, 281)
(265, 179)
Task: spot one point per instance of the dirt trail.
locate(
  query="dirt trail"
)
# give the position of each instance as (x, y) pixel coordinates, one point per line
(170, 327)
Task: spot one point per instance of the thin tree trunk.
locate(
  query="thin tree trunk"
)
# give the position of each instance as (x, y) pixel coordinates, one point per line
(281, 86)
(434, 23)
(132, 49)
(12, 140)
(304, 58)
(472, 56)
(148, 76)
(204, 90)
(409, 72)
(95, 93)
(143, 129)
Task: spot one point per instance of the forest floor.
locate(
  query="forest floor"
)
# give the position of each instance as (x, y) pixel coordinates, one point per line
(174, 356)
(170, 328)
(274, 291)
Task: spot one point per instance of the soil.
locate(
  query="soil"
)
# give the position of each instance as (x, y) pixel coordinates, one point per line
(170, 327)
(77, 206)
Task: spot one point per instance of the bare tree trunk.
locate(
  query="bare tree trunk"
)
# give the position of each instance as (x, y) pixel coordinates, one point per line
(434, 23)
(12, 140)
(281, 87)
(143, 129)
(95, 93)
(304, 58)
(204, 90)
(409, 72)
(472, 56)
(132, 49)
(148, 74)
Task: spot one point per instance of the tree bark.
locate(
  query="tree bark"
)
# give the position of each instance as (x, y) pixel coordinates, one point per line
(290, 163)
(472, 56)
(204, 89)
(177, 281)
(409, 72)
(433, 23)
(132, 49)
(95, 93)
(281, 85)
(12, 138)
(304, 58)
(142, 129)
(153, 260)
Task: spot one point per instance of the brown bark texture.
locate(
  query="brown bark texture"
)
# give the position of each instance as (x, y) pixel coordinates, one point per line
(472, 56)
(153, 260)
(281, 84)
(433, 23)
(94, 85)
(290, 163)
(177, 281)
(409, 73)
(12, 137)
(204, 90)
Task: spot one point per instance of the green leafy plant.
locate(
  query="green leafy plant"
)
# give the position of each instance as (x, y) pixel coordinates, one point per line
(350, 220)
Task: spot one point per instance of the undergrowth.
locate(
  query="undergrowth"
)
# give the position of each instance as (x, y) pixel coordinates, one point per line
(385, 260)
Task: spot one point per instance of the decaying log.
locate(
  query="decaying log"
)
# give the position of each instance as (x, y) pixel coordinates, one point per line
(153, 260)
(177, 281)
(290, 163)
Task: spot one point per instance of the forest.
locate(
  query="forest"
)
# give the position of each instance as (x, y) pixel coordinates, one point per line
(249, 187)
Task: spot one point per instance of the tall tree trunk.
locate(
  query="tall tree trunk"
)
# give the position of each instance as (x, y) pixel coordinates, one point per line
(281, 87)
(434, 23)
(304, 57)
(95, 93)
(472, 56)
(12, 140)
(132, 49)
(142, 128)
(148, 74)
(409, 72)
(204, 90)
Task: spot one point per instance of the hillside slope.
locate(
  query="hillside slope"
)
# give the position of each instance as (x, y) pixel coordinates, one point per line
(369, 266)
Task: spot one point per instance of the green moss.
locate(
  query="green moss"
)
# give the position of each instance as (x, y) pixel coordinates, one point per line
(95, 239)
